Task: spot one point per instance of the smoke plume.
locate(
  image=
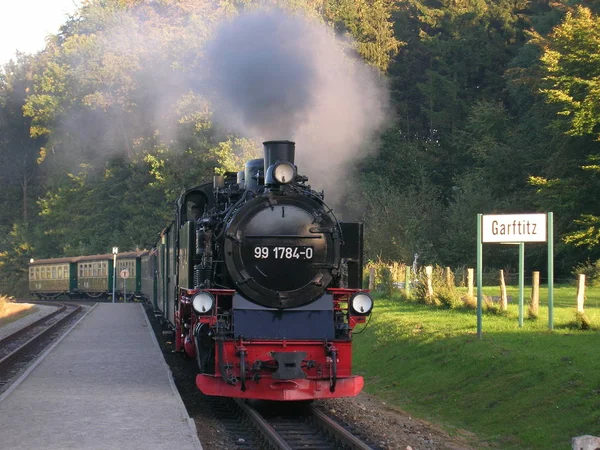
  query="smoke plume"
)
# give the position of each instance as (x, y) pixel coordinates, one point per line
(273, 75)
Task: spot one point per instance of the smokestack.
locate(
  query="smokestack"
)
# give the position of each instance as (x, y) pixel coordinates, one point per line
(278, 151)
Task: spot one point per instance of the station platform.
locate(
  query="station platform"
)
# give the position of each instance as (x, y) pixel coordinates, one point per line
(104, 385)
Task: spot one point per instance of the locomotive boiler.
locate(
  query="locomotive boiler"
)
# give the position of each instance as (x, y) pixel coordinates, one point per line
(263, 284)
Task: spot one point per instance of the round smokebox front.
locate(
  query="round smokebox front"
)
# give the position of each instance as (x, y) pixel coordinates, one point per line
(281, 251)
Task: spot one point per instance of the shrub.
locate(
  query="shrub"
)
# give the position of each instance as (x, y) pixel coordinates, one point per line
(581, 322)
(387, 276)
(443, 294)
(469, 302)
(490, 307)
(591, 270)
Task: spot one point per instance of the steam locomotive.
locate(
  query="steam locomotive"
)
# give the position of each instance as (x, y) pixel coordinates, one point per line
(263, 284)
(260, 281)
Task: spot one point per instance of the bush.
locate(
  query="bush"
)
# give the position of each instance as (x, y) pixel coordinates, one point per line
(387, 276)
(582, 322)
(591, 270)
(444, 294)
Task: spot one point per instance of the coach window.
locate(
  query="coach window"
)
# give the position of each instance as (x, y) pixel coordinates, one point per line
(48, 273)
(31, 273)
(54, 273)
(37, 273)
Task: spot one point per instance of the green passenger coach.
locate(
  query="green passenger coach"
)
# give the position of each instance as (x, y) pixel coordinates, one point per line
(89, 276)
(129, 274)
(49, 278)
(95, 275)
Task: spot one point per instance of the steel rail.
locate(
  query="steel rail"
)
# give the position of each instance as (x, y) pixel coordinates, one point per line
(9, 357)
(338, 431)
(265, 429)
(11, 337)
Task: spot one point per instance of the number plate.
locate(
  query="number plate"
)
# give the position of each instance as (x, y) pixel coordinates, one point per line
(281, 252)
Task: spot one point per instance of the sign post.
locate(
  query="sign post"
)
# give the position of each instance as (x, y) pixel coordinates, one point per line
(115, 251)
(124, 274)
(515, 229)
(550, 271)
(479, 277)
(521, 281)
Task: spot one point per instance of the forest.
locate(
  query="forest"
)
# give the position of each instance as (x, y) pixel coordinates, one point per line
(429, 112)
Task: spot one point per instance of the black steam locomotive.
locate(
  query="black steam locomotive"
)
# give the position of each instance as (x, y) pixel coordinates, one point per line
(263, 284)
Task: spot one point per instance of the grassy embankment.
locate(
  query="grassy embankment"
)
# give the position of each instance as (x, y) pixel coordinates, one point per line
(515, 388)
(9, 311)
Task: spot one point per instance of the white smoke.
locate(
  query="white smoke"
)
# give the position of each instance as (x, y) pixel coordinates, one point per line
(273, 75)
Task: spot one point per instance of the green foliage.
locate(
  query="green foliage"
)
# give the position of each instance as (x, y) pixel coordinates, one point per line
(444, 294)
(591, 270)
(369, 22)
(570, 59)
(582, 321)
(231, 155)
(14, 261)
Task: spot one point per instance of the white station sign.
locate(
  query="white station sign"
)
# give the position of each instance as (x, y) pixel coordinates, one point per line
(513, 228)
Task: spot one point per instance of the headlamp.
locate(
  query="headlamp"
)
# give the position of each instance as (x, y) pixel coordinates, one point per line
(284, 172)
(202, 302)
(361, 303)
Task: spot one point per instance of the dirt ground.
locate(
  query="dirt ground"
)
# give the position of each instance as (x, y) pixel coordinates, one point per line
(392, 428)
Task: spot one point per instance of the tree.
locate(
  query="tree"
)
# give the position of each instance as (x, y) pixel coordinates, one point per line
(370, 23)
(571, 59)
(570, 65)
(18, 151)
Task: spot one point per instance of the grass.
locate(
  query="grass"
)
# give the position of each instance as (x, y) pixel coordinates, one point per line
(515, 388)
(9, 311)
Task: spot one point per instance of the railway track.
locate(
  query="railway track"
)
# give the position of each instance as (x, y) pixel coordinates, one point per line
(19, 348)
(255, 425)
(291, 427)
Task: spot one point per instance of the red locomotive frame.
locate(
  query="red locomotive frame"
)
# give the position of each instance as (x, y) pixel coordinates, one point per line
(245, 368)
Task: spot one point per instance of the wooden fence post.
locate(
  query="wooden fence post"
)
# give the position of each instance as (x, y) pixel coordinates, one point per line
(371, 278)
(503, 297)
(407, 282)
(429, 273)
(535, 294)
(580, 293)
(470, 273)
(449, 278)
